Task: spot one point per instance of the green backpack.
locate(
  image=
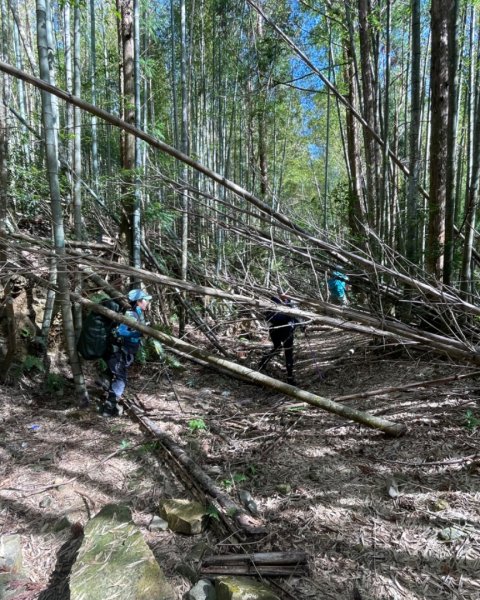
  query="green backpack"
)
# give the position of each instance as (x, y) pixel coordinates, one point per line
(95, 336)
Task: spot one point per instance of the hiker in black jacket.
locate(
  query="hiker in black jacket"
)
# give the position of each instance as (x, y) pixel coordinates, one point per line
(282, 332)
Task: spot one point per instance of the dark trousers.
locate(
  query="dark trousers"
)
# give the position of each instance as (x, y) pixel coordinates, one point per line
(281, 336)
(118, 362)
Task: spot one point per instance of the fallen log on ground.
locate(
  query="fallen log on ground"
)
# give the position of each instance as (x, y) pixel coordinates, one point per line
(279, 564)
(253, 569)
(244, 522)
(364, 418)
(257, 558)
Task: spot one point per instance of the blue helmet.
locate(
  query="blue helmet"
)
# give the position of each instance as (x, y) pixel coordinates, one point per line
(137, 294)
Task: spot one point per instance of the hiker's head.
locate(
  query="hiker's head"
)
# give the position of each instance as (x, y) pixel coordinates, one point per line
(138, 297)
(338, 271)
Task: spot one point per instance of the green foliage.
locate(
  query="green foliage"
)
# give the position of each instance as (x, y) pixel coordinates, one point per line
(124, 444)
(156, 348)
(148, 447)
(197, 425)
(55, 383)
(156, 212)
(141, 356)
(471, 421)
(31, 363)
(228, 484)
(212, 513)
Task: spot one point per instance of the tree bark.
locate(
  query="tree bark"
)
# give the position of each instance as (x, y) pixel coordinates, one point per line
(439, 85)
(49, 123)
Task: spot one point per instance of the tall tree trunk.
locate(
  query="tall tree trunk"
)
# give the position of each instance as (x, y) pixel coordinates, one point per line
(69, 109)
(412, 245)
(136, 215)
(4, 179)
(357, 212)
(77, 161)
(185, 150)
(369, 111)
(93, 92)
(451, 140)
(49, 125)
(128, 145)
(438, 138)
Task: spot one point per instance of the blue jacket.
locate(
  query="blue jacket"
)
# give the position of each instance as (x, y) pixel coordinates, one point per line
(337, 284)
(129, 338)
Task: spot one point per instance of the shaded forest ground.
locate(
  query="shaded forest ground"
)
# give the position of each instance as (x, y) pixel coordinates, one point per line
(369, 511)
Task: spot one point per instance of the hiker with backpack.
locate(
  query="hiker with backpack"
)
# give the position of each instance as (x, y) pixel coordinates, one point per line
(338, 286)
(282, 332)
(125, 343)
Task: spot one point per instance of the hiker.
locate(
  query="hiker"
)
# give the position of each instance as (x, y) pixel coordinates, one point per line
(121, 354)
(338, 287)
(282, 332)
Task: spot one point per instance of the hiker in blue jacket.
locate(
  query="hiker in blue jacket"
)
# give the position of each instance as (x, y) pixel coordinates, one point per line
(338, 287)
(125, 344)
(282, 332)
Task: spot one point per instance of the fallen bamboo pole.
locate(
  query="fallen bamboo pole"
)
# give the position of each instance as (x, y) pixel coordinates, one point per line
(257, 558)
(246, 523)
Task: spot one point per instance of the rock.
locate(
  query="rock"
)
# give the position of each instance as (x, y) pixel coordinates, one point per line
(158, 524)
(242, 588)
(392, 488)
(248, 502)
(11, 558)
(183, 516)
(202, 590)
(12, 586)
(11, 567)
(45, 502)
(440, 504)
(450, 534)
(114, 561)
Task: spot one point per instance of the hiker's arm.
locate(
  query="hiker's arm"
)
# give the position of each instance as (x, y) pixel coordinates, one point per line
(126, 332)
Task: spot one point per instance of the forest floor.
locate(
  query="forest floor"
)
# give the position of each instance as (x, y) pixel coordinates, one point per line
(370, 511)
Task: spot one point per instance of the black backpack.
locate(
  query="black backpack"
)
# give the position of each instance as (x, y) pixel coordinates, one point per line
(96, 333)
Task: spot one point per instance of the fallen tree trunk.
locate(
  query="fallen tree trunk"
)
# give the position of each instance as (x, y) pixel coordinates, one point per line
(252, 569)
(278, 564)
(257, 558)
(245, 522)
(364, 418)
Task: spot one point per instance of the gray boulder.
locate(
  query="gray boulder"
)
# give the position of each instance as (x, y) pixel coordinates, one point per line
(202, 590)
(114, 561)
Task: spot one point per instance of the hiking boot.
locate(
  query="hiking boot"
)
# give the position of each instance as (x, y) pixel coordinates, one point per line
(110, 409)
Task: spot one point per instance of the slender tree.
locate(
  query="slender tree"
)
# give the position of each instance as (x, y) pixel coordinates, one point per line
(49, 118)
(438, 137)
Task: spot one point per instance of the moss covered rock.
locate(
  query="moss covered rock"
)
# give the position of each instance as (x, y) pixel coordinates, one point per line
(242, 588)
(183, 516)
(114, 561)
